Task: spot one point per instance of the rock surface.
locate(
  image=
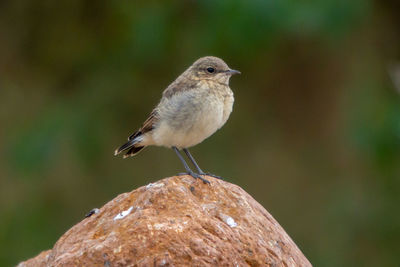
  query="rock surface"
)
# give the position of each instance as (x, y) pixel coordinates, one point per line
(177, 221)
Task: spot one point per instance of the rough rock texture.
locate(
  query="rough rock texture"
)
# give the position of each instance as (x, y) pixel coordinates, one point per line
(177, 221)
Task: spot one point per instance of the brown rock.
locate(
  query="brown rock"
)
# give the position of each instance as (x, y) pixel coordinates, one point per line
(177, 221)
(39, 260)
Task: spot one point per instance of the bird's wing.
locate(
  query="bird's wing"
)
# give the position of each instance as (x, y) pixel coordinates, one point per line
(147, 126)
(179, 85)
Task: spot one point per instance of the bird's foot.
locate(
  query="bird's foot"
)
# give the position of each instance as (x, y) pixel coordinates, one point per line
(195, 175)
(212, 175)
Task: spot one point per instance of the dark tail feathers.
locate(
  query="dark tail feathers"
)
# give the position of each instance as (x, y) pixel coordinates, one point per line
(132, 145)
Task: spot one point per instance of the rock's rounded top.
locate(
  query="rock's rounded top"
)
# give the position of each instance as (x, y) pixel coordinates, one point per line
(177, 221)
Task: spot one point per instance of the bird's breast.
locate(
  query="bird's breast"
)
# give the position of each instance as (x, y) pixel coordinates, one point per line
(190, 117)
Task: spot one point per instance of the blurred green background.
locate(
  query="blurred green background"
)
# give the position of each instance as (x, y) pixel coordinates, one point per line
(314, 135)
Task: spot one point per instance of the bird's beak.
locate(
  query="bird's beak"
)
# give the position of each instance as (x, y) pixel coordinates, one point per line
(232, 72)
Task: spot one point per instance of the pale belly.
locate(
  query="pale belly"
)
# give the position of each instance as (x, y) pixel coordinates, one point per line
(203, 125)
(189, 118)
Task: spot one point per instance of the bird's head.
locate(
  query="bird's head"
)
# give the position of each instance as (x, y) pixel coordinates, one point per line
(212, 68)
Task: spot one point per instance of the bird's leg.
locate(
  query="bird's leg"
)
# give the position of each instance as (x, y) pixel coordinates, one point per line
(188, 170)
(197, 166)
(192, 160)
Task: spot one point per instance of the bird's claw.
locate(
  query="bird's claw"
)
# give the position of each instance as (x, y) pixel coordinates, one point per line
(196, 176)
(212, 175)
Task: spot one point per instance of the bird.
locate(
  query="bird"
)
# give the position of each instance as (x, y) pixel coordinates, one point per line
(191, 109)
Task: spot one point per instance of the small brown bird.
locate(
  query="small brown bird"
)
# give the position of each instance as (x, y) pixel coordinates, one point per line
(191, 109)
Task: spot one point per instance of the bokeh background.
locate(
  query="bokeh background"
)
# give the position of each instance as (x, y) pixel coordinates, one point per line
(314, 135)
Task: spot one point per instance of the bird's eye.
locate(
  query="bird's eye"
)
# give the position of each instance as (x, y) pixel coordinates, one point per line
(210, 70)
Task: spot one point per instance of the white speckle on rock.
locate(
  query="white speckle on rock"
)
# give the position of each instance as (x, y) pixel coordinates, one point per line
(228, 220)
(159, 226)
(231, 222)
(123, 214)
(209, 208)
(95, 210)
(99, 247)
(155, 185)
(182, 189)
(117, 250)
(177, 227)
(272, 243)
